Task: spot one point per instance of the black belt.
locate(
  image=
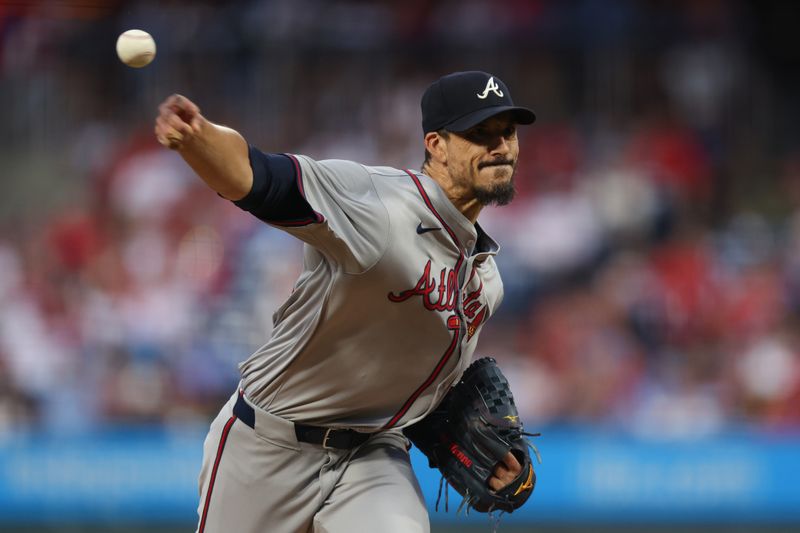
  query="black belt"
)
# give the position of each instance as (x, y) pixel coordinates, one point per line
(341, 439)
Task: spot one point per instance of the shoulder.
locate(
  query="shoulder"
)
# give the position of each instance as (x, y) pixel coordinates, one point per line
(343, 165)
(352, 174)
(329, 164)
(346, 165)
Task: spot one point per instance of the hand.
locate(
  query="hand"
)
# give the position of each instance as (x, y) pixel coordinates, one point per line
(178, 121)
(504, 473)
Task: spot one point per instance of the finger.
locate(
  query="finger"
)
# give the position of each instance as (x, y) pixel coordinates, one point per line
(178, 104)
(162, 124)
(167, 107)
(512, 464)
(187, 118)
(184, 108)
(184, 104)
(505, 476)
(174, 139)
(172, 143)
(168, 142)
(178, 124)
(505, 472)
(496, 484)
(172, 126)
(165, 129)
(168, 137)
(196, 123)
(500, 471)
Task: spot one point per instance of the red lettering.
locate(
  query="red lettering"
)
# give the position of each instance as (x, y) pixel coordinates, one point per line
(473, 295)
(471, 309)
(474, 310)
(461, 456)
(423, 287)
(452, 289)
(472, 325)
(446, 294)
(442, 288)
(446, 291)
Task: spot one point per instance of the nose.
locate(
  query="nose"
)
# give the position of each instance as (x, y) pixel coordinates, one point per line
(500, 146)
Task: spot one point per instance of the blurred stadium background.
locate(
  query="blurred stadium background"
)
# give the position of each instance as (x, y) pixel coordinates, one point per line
(651, 323)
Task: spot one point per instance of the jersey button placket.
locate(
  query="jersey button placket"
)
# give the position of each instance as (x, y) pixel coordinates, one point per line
(463, 281)
(469, 273)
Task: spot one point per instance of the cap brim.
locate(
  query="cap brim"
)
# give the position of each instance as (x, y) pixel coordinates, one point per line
(522, 115)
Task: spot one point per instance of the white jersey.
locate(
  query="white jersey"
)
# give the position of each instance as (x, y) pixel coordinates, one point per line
(384, 318)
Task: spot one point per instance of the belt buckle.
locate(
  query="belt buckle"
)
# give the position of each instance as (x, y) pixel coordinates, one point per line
(325, 439)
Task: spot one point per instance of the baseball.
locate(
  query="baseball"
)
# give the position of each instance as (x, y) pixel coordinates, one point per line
(136, 48)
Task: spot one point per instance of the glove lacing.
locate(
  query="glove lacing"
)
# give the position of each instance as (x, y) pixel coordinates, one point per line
(446, 495)
(532, 446)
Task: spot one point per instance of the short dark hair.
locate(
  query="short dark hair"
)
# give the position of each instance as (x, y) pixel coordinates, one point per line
(443, 134)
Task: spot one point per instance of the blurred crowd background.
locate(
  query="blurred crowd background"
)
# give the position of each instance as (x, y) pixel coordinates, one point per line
(651, 257)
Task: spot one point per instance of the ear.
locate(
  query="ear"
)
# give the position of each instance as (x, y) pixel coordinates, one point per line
(437, 146)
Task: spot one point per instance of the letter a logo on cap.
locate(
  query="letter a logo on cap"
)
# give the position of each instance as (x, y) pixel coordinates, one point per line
(491, 85)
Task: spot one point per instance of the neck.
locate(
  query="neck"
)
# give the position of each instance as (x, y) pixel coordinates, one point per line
(459, 195)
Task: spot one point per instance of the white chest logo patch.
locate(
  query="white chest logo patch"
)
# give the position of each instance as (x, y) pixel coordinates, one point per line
(491, 86)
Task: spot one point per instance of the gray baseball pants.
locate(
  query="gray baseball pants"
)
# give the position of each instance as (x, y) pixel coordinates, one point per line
(262, 480)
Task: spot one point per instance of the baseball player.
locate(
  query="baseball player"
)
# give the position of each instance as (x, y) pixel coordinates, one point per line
(398, 279)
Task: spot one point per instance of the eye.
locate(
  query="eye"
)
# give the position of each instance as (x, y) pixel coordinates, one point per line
(509, 132)
(476, 134)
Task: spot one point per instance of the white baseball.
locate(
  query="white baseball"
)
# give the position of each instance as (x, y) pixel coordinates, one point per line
(136, 48)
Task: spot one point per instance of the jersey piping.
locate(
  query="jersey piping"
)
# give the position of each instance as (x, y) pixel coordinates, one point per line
(222, 440)
(456, 330)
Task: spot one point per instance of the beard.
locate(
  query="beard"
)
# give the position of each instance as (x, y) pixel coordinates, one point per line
(499, 193)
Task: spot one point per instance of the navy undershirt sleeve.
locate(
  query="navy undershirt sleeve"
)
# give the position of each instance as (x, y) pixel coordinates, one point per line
(275, 195)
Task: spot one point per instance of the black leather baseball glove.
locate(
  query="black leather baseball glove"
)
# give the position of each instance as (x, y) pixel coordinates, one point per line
(470, 433)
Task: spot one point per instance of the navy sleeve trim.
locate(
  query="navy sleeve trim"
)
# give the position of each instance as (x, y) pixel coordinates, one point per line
(277, 196)
(316, 216)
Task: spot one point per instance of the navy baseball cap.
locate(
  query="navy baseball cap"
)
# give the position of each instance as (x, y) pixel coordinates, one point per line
(458, 101)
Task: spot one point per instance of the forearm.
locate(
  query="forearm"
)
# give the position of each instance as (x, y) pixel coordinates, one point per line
(219, 155)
